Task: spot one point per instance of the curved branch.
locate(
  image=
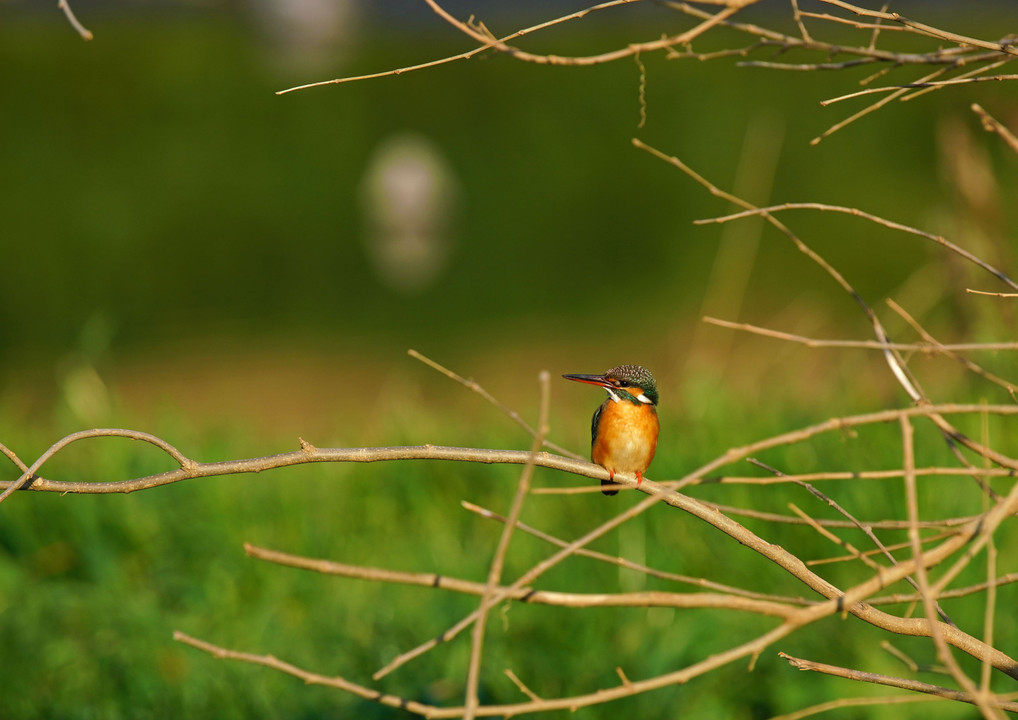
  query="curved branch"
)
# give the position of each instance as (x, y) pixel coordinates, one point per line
(83, 31)
(307, 454)
(489, 40)
(310, 454)
(927, 30)
(824, 207)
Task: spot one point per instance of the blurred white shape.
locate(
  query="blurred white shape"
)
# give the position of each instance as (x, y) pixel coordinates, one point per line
(409, 198)
(307, 35)
(86, 395)
(83, 389)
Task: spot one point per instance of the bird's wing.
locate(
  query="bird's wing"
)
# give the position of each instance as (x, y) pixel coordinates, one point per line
(594, 422)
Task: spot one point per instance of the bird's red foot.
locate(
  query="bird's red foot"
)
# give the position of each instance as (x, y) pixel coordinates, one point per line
(639, 478)
(609, 483)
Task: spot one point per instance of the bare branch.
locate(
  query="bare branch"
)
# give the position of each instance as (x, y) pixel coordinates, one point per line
(928, 30)
(991, 124)
(307, 454)
(992, 294)
(940, 240)
(84, 32)
(920, 84)
(527, 594)
(630, 565)
(630, 50)
(474, 386)
(523, 688)
(951, 352)
(927, 595)
(498, 561)
(957, 592)
(928, 348)
(890, 681)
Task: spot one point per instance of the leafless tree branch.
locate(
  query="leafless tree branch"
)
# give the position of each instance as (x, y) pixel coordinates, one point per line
(84, 32)
(889, 681)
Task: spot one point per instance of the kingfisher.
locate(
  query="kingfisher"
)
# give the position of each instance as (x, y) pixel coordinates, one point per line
(623, 432)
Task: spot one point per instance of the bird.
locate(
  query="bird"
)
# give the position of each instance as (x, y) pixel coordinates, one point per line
(624, 429)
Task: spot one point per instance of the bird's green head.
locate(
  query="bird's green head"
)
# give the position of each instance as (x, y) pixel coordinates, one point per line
(625, 382)
(634, 381)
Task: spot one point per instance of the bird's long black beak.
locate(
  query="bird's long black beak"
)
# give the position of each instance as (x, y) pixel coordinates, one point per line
(598, 380)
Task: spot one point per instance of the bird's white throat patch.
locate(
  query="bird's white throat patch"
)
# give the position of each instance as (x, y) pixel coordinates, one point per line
(641, 397)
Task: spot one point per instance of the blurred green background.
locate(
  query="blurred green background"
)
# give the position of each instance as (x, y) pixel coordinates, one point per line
(187, 253)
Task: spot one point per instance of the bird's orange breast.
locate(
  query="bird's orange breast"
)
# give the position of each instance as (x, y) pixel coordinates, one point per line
(626, 437)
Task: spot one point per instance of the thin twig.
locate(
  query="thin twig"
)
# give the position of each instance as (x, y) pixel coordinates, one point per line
(474, 386)
(630, 565)
(523, 688)
(992, 294)
(959, 79)
(663, 43)
(876, 551)
(927, 594)
(898, 90)
(926, 347)
(991, 124)
(951, 352)
(30, 480)
(824, 207)
(13, 457)
(763, 605)
(889, 681)
(928, 30)
(990, 612)
(498, 561)
(84, 32)
(887, 99)
(866, 529)
(487, 44)
(955, 593)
